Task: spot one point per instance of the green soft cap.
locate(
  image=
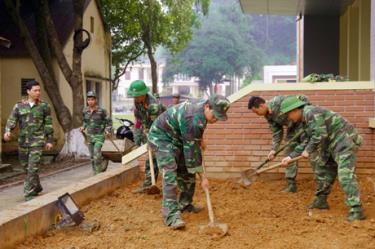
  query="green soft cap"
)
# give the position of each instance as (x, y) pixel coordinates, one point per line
(91, 94)
(220, 106)
(291, 103)
(138, 88)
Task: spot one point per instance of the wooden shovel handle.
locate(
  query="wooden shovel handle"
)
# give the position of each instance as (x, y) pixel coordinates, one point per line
(209, 206)
(275, 166)
(150, 159)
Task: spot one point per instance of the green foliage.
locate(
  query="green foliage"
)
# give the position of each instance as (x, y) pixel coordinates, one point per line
(249, 78)
(222, 46)
(276, 36)
(139, 24)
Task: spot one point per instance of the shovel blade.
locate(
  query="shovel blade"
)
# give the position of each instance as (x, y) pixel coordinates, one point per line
(153, 190)
(214, 229)
(245, 180)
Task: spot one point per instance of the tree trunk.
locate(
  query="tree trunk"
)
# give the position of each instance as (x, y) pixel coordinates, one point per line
(76, 81)
(54, 41)
(63, 115)
(74, 146)
(154, 74)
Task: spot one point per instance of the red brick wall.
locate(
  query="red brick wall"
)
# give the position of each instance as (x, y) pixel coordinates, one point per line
(244, 139)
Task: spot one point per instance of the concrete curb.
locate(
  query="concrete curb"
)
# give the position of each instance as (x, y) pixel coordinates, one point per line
(37, 216)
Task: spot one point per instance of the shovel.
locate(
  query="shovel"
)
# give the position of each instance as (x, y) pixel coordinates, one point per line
(246, 178)
(246, 181)
(153, 189)
(220, 229)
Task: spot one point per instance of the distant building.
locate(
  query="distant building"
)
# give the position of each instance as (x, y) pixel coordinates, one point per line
(185, 85)
(280, 74)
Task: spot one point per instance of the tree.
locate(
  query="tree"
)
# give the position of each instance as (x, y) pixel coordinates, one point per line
(276, 36)
(139, 26)
(223, 46)
(44, 49)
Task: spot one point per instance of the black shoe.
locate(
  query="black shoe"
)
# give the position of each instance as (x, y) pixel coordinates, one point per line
(38, 189)
(191, 209)
(291, 188)
(320, 202)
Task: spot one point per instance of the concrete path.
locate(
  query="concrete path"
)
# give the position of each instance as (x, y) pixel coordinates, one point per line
(10, 197)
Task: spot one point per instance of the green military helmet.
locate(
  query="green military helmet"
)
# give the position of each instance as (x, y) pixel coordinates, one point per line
(138, 88)
(290, 103)
(91, 94)
(220, 105)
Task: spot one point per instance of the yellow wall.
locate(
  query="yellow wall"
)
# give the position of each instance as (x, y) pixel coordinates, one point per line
(95, 62)
(1, 130)
(13, 71)
(355, 41)
(95, 58)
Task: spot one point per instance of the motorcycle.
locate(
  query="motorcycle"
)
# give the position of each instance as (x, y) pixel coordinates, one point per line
(125, 130)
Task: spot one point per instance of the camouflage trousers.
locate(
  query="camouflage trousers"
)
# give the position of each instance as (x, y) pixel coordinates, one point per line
(95, 144)
(139, 137)
(175, 177)
(328, 165)
(30, 158)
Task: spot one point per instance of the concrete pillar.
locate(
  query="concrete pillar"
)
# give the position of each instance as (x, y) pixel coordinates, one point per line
(372, 42)
(1, 117)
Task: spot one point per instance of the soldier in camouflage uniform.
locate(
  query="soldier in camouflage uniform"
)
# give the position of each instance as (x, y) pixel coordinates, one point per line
(175, 137)
(96, 126)
(35, 132)
(271, 112)
(147, 108)
(332, 144)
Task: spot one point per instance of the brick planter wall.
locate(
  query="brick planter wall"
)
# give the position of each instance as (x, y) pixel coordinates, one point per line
(245, 139)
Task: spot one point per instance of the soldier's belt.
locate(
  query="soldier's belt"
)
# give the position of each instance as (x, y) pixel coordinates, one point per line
(95, 131)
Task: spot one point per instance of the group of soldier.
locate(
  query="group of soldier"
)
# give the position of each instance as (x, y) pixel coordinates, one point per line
(175, 136)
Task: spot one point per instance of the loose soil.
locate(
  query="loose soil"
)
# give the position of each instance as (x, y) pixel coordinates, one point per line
(258, 217)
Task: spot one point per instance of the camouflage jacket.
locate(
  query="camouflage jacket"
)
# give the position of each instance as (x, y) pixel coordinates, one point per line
(327, 129)
(277, 122)
(35, 123)
(181, 126)
(97, 122)
(143, 114)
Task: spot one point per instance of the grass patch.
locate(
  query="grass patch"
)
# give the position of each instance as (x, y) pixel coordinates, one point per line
(117, 123)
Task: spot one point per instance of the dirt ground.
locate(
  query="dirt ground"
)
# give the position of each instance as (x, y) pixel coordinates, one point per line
(258, 217)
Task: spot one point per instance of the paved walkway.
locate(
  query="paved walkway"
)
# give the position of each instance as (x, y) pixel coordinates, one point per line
(10, 197)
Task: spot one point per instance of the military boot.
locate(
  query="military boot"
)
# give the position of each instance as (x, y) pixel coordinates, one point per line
(355, 213)
(320, 202)
(291, 188)
(177, 223)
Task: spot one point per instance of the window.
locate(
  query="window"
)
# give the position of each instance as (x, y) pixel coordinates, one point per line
(23, 86)
(95, 86)
(92, 24)
(127, 75)
(141, 73)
